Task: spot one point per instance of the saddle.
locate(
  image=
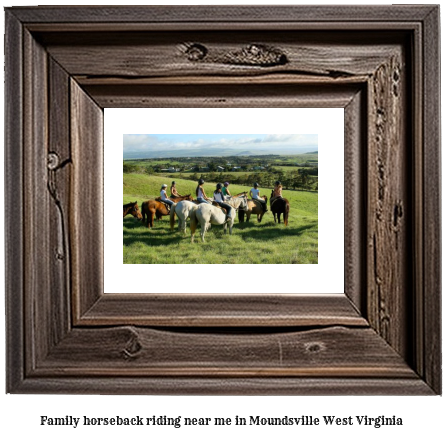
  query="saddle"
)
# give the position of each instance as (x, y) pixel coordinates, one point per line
(218, 206)
(168, 207)
(258, 204)
(223, 209)
(275, 198)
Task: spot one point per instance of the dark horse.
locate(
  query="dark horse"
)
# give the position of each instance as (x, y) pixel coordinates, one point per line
(154, 207)
(132, 208)
(278, 206)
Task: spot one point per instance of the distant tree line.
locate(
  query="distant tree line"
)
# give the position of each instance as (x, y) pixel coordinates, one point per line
(303, 178)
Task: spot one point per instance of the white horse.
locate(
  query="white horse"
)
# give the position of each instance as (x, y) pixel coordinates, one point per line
(207, 214)
(182, 209)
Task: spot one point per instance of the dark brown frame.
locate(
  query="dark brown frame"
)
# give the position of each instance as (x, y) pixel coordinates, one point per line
(64, 65)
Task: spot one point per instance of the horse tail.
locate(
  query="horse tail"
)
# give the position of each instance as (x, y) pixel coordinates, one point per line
(172, 216)
(286, 213)
(193, 222)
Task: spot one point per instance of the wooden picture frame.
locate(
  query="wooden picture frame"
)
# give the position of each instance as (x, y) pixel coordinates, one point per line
(65, 64)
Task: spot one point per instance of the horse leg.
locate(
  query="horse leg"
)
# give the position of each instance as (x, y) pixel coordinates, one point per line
(193, 225)
(248, 215)
(183, 225)
(203, 231)
(278, 214)
(151, 217)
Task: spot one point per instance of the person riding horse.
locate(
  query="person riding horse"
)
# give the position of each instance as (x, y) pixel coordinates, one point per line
(225, 189)
(277, 192)
(219, 199)
(174, 193)
(200, 192)
(164, 197)
(254, 193)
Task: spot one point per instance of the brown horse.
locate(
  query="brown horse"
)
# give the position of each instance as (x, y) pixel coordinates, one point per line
(254, 207)
(278, 206)
(132, 208)
(154, 207)
(181, 198)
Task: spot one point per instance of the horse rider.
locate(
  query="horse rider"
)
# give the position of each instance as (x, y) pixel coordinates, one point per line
(174, 193)
(219, 199)
(254, 193)
(200, 193)
(225, 189)
(278, 188)
(164, 197)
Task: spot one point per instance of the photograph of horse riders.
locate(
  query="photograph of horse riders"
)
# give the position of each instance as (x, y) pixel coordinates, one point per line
(220, 199)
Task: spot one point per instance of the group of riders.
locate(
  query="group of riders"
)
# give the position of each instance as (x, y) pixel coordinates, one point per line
(220, 194)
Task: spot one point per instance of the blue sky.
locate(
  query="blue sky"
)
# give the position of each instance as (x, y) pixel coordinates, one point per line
(133, 143)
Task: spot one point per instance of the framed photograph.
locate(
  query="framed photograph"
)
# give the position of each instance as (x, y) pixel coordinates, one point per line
(178, 159)
(377, 331)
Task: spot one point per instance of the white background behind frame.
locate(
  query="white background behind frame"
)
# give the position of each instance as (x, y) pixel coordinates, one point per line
(328, 123)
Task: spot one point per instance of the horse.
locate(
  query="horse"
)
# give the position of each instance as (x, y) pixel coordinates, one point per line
(211, 200)
(154, 207)
(239, 195)
(206, 214)
(254, 207)
(181, 198)
(178, 198)
(278, 206)
(182, 209)
(132, 208)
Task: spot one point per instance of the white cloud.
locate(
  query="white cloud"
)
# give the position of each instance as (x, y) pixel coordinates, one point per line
(134, 143)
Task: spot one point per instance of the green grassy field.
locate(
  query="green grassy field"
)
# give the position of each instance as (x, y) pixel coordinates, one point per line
(250, 242)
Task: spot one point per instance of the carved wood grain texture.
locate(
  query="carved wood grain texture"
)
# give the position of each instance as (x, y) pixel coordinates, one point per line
(129, 351)
(38, 309)
(431, 316)
(86, 235)
(239, 310)
(288, 386)
(259, 14)
(14, 193)
(231, 95)
(162, 54)
(388, 205)
(355, 195)
(59, 167)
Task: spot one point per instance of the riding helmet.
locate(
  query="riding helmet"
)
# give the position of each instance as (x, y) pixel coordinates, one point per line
(277, 183)
(226, 184)
(218, 186)
(201, 181)
(255, 184)
(164, 185)
(173, 182)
